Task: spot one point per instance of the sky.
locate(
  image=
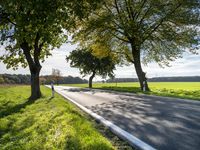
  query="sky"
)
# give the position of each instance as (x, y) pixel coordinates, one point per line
(189, 65)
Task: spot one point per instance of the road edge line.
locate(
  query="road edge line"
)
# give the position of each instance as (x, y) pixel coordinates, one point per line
(132, 140)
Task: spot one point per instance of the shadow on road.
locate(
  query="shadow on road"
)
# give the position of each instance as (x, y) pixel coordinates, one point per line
(94, 90)
(78, 90)
(164, 124)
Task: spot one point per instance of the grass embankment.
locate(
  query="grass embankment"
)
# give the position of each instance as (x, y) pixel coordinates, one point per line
(45, 124)
(187, 90)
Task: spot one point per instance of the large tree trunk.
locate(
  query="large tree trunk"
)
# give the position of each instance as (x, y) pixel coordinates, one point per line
(90, 79)
(35, 84)
(34, 66)
(137, 64)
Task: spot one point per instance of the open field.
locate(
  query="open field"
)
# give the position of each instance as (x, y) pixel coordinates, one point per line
(188, 90)
(45, 124)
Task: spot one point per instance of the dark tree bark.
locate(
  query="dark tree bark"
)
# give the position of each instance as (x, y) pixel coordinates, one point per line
(91, 78)
(34, 66)
(35, 84)
(137, 64)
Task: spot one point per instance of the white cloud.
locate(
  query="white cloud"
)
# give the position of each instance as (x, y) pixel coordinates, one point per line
(186, 66)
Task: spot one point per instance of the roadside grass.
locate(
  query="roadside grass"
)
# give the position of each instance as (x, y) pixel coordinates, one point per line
(45, 124)
(185, 90)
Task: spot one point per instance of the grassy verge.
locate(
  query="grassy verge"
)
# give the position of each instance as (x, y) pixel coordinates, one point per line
(185, 90)
(46, 124)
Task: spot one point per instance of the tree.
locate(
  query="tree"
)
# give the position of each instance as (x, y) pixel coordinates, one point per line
(56, 74)
(42, 80)
(144, 30)
(29, 30)
(90, 64)
(1, 80)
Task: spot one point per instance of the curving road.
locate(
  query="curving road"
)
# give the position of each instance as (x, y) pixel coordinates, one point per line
(164, 123)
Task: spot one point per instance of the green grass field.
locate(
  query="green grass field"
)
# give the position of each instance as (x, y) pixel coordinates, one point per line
(46, 124)
(187, 90)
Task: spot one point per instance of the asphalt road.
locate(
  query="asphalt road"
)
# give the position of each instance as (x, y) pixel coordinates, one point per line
(164, 123)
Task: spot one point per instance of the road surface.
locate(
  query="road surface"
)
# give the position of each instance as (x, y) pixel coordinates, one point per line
(164, 123)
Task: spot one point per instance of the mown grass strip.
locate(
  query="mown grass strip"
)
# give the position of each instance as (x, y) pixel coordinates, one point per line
(45, 124)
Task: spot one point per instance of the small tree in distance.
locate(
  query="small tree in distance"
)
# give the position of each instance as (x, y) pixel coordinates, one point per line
(90, 64)
(42, 80)
(56, 74)
(1, 80)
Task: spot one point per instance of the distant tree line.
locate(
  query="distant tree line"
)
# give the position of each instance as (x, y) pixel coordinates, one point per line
(61, 80)
(160, 79)
(25, 79)
(175, 79)
(122, 80)
(14, 79)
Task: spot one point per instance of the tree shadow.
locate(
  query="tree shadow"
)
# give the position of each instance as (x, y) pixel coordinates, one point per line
(81, 90)
(11, 110)
(50, 98)
(162, 123)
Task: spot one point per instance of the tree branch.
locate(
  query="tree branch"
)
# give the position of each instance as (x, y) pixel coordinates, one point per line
(128, 58)
(11, 22)
(147, 11)
(5, 16)
(155, 26)
(119, 38)
(37, 49)
(26, 50)
(9, 36)
(121, 20)
(140, 10)
(128, 10)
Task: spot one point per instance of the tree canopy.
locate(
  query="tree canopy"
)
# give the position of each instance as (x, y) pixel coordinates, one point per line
(29, 30)
(42, 24)
(90, 64)
(144, 30)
